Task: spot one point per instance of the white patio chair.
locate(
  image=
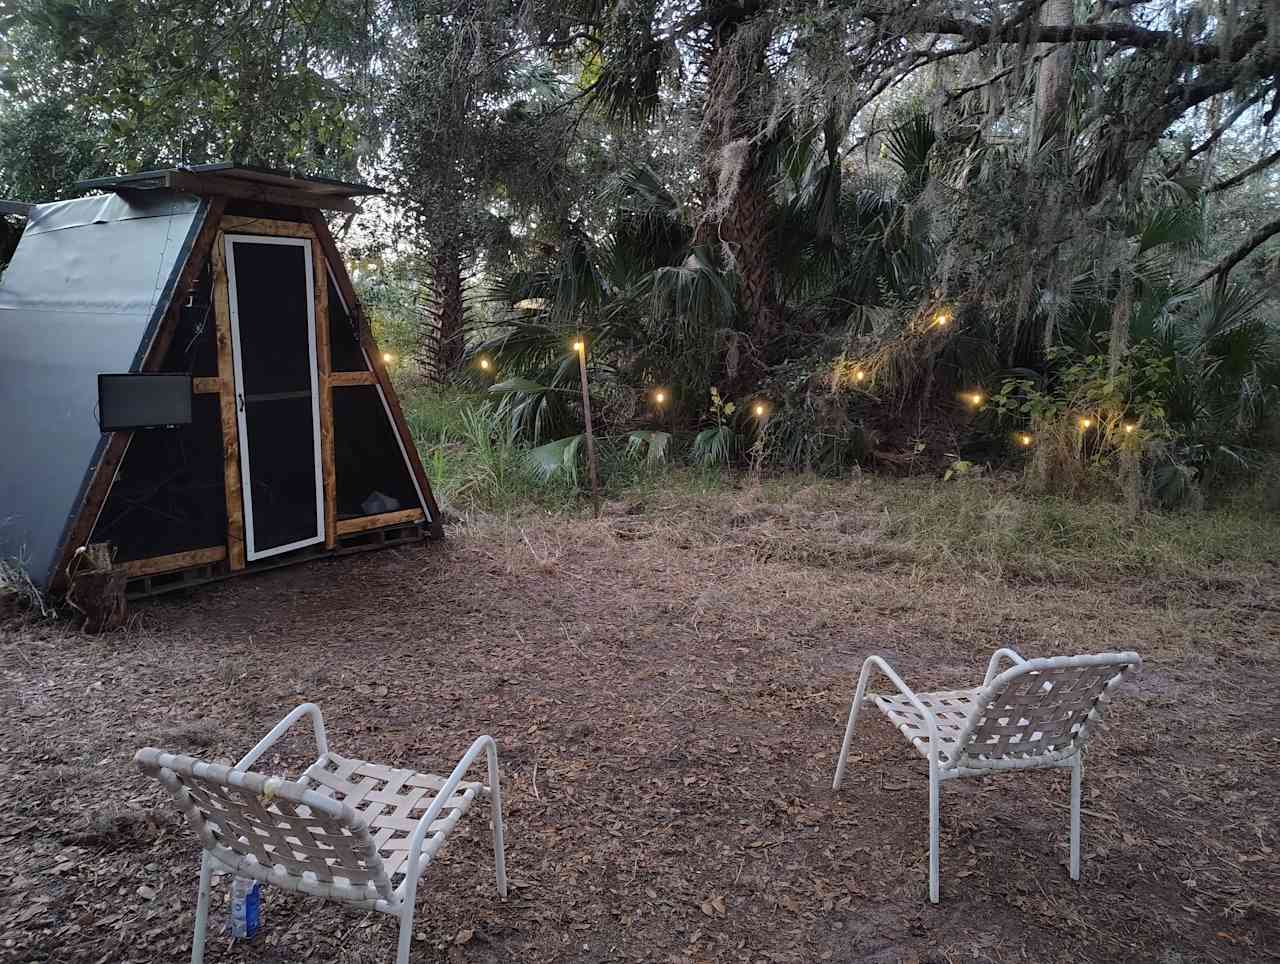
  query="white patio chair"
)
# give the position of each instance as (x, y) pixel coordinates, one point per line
(349, 830)
(1038, 713)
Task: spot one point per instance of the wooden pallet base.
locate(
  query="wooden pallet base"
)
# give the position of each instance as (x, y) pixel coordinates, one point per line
(143, 587)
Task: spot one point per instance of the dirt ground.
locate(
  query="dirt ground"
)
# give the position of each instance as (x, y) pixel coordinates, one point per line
(668, 691)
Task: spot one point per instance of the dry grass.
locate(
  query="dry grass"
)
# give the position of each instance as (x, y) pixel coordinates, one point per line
(18, 593)
(984, 528)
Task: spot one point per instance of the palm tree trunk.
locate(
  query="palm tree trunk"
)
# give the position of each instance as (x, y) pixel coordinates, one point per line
(747, 226)
(739, 208)
(447, 309)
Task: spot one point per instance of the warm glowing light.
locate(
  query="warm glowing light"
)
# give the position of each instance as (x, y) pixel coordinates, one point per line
(759, 410)
(1024, 440)
(859, 375)
(579, 346)
(388, 357)
(1129, 427)
(659, 396)
(941, 318)
(484, 364)
(1086, 423)
(975, 398)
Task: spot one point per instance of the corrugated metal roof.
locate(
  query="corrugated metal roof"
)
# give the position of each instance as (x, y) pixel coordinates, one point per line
(82, 295)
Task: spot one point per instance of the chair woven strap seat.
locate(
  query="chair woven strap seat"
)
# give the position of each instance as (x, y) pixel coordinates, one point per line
(391, 801)
(274, 830)
(950, 708)
(1037, 713)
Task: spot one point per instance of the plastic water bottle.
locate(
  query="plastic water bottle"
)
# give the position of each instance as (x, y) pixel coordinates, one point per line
(246, 907)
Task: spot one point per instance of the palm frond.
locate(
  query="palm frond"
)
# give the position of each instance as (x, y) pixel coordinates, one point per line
(1179, 226)
(553, 458)
(650, 443)
(908, 146)
(694, 292)
(716, 445)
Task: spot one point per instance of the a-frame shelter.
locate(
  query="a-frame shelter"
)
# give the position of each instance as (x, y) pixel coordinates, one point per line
(297, 446)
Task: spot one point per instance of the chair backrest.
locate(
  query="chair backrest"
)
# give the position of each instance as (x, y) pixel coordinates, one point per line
(272, 829)
(1040, 711)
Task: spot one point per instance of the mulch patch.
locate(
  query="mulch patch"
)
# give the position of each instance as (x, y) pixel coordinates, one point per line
(668, 706)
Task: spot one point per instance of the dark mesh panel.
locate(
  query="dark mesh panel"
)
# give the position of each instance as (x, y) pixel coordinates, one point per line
(271, 301)
(344, 346)
(372, 475)
(282, 464)
(194, 347)
(169, 496)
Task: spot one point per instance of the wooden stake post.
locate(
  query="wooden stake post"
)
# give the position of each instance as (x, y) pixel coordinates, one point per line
(586, 411)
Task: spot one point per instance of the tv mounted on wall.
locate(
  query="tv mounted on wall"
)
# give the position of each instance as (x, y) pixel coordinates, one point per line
(138, 401)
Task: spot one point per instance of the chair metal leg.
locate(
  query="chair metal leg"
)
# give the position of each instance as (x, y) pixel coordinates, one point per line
(406, 932)
(202, 908)
(495, 801)
(1077, 773)
(933, 833)
(848, 730)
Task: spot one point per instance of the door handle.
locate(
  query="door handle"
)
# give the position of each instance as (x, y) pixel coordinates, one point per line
(240, 399)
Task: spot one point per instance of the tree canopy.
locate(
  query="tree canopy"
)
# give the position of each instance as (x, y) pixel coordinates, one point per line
(865, 211)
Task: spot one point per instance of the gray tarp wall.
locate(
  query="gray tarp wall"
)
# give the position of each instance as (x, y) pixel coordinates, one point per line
(81, 296)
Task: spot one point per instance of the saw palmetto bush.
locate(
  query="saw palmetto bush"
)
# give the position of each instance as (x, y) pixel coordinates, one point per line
(908, 295)
(1224, 393)
(1181, 412)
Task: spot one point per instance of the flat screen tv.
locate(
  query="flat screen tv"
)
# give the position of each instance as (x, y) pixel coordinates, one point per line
(135, 401)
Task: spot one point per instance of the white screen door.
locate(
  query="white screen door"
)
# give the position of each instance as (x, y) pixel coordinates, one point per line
(273, 329)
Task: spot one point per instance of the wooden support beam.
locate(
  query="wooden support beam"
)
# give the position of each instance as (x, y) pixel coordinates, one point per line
(324, 367)
(174, 562)
(186, 281)
(236, 224)
(348, 379)
(365, 523)
(211, 185)
(330, 248)
(86, 517)
(227, 393)
(206, 386)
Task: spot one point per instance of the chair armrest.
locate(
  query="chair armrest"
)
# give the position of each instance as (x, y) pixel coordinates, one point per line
(279, 730)
(993, 667)
(482, 744)
(875, 662)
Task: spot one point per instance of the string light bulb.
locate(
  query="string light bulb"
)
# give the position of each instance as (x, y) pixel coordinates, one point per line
(1024, 439)
(859, 375)
(941, 319)
(387, 357)
(1086, 423)
(1129, 427)
(579, 346)
(659, 396)
(759, 410)
(975, 398)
